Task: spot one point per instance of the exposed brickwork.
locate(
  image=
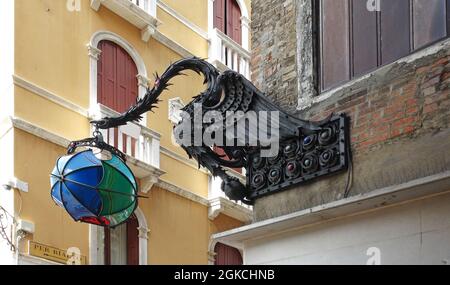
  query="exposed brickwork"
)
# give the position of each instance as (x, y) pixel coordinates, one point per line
(400, 114)
(405, 106)
(274, 50)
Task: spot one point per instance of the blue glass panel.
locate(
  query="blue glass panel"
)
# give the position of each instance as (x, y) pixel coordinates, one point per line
(75, 209)
(55, 171)
(81, 160)
(88, 197)
(56, 194)
(118, 164)
(53, 180)
(61, 163)
(90, 176)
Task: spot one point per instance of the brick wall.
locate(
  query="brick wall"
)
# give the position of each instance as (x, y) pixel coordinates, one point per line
(400, 113)
(274, 68)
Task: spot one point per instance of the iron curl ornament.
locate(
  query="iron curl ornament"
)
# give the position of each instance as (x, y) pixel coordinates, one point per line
(305, 150)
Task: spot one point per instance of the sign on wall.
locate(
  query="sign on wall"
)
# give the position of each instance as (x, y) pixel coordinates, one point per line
(72, 256)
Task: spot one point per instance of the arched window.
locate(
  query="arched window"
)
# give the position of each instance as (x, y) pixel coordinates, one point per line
(227, 18)
(121, 244)
(227, 255)
(117, 83)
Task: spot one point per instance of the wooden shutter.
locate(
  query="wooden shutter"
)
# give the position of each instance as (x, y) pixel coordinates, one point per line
(395, 30)
(354, 41)
(364, 38)
(335, 42)
(117, 85)
(234, 28)
(429, 21)
(227, 255)
(107, 246)
(132, 241)
(219, 15)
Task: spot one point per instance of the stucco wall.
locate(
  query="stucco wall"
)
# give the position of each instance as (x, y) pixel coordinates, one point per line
(51, 54)
(413, 233)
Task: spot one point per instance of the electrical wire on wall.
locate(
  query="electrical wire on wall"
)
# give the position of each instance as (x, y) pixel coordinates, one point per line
(6, 219)
(349, 184)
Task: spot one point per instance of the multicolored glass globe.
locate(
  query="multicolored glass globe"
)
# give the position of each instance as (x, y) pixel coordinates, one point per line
(94, 191)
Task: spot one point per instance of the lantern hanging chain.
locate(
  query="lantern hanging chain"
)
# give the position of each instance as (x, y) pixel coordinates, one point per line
(4, 215)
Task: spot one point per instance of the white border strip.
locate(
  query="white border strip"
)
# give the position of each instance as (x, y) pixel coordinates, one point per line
(166, 8)
(27, 85)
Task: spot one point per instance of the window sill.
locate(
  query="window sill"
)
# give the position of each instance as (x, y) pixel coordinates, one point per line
(146, 21)
(305, 102)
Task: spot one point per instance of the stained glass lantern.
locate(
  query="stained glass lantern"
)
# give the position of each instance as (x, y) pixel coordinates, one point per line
(93, 190)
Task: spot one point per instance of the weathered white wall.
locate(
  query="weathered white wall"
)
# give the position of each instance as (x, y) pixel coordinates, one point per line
(412, 233)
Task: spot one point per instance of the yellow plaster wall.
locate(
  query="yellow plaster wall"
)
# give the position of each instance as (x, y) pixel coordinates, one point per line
(50, 116)
(178, 229)
(184, 176)
(195, 11)
(183, 35)
(224, 223)
(52, 54)
(34, 161)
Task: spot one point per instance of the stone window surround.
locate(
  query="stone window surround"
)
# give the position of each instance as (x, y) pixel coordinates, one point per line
(94, 56)
(94, 231)
(308, 95)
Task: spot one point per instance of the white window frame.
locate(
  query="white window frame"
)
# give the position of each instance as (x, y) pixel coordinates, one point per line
(94, 55)
(245, 18)
(96, 254)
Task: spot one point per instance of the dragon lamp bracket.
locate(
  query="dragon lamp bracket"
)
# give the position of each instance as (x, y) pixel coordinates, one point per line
(308, 150)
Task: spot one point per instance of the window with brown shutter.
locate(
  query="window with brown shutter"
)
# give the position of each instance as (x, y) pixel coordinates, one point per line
(121, 244)
(353, 41)
(117, 85)
(227, 18)
(227, 255)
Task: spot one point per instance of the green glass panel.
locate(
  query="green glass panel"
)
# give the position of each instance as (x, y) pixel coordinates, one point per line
(117, 188)
(118, 164)
(121, 217)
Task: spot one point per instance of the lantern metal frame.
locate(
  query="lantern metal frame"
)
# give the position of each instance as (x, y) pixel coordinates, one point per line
(96, 142)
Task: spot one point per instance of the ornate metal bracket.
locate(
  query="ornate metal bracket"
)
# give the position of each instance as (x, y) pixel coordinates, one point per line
(95, 142)
(308, 150)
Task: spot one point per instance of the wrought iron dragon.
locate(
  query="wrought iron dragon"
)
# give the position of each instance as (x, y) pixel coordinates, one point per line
(307, 149)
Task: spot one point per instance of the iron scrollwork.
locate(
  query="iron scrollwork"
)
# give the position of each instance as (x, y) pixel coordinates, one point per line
(308, 150)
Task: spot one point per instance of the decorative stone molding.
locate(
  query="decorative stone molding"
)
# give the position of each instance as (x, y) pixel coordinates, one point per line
(95, 4)
(142, 80)
(143, 233)
(142, 16)
(211, 257)
(94, 52)
(147, 183)
(148, 32)
(215, 208)
(175, 106)
(222, 205)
